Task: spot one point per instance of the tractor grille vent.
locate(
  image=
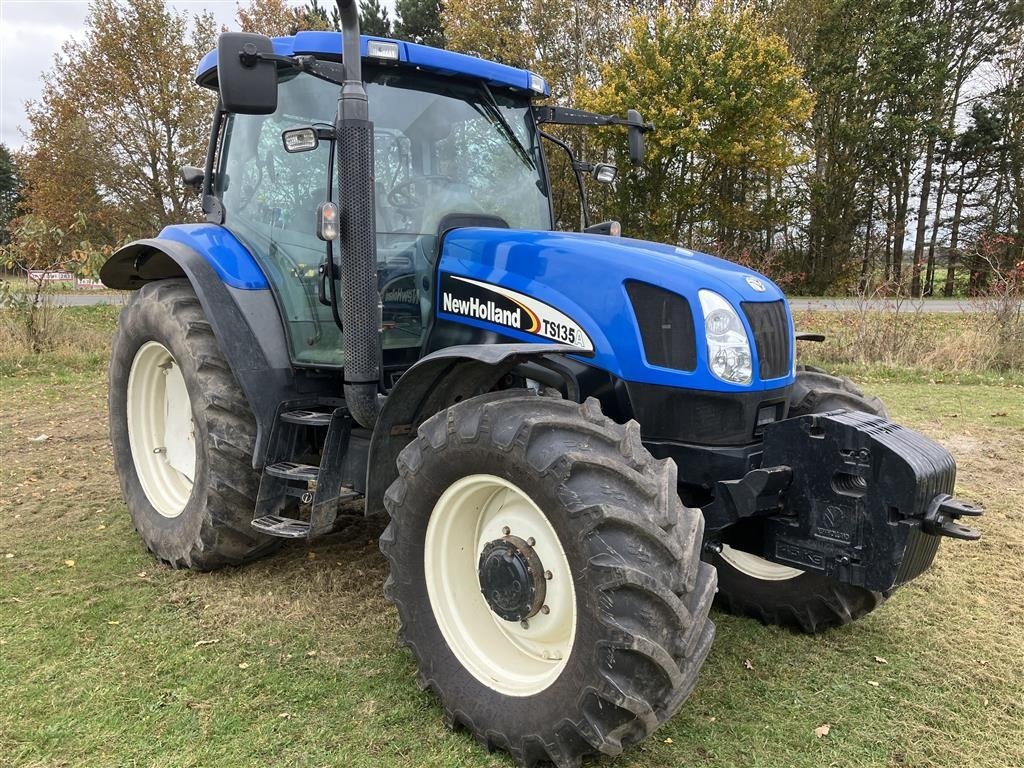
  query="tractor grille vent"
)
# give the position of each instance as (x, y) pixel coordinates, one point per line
(770, 324)
(666, 326)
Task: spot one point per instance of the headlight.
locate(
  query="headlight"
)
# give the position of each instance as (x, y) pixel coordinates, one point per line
(728, 344)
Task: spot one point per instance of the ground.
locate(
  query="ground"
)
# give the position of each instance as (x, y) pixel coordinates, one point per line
(107, 659)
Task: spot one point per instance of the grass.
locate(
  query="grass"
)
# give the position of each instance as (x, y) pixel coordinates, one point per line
(107, 659)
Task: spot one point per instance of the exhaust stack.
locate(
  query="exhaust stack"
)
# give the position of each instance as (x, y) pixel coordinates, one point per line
(360, 296)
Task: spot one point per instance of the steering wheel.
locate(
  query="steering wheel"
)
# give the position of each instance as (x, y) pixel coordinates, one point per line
(404, 195)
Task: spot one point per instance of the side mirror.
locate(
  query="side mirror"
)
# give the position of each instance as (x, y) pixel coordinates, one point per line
(248, 83)
(192, 177)
(637, 148)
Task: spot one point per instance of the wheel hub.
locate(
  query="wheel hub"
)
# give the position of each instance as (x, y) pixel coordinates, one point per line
(512, 578)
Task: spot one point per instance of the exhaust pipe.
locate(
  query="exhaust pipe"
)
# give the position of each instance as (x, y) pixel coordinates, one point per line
(360, 295)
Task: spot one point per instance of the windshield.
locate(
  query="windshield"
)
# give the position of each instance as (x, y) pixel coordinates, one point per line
(443, 149)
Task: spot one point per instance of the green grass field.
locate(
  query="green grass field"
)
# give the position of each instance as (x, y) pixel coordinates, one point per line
(107, 659)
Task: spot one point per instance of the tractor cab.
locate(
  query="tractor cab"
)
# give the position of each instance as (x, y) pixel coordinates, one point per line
(449, 151)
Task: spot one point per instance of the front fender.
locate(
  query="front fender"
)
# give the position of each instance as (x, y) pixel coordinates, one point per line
(438, 381)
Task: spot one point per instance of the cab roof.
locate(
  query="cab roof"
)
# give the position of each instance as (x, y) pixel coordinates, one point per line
(328, 45)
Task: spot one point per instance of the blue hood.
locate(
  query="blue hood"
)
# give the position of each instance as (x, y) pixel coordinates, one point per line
(583, 277)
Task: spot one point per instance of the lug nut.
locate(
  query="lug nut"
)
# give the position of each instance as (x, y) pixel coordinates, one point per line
(548, 575)
(545, 610)
(524, 624)
(506, 530)
(531, 541)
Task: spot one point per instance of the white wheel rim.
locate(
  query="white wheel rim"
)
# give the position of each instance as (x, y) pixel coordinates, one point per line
(505, 656)
(160, 429)
(757, 567)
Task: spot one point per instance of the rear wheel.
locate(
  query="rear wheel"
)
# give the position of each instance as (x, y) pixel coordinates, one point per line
(749, 585)
(547, 577)
(182, 433)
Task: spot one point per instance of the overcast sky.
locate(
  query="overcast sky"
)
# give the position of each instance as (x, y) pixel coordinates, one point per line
(32, 32)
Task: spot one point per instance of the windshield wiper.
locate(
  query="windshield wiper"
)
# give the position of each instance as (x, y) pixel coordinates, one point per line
(492, 111)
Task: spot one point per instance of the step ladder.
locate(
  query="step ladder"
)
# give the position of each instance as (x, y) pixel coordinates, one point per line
(319, 486)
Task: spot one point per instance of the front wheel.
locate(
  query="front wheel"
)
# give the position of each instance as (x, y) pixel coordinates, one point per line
(182, 433)
(547, 577)
(752, 586)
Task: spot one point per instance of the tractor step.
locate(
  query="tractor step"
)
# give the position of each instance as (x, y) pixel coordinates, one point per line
(288, 483)
(307, 418)
(282, 527)
(290, 470)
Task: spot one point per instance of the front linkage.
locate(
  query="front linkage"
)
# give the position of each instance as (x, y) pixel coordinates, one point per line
(849, 495)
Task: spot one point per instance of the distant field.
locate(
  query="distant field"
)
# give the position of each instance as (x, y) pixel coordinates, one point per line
(107, 659)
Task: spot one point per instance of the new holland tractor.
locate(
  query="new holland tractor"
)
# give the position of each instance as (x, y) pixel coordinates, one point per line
(577, 439)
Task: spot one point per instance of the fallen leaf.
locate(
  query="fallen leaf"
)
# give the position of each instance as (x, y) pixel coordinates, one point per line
(311, 555)
(873, 683)
(200, 643)
(69, 563)
(983, 662)
(880, 660)
(114, 623)
(243, 665)
(9, 555)
(285, 715)
(101, 527)
(747, 664)
(39, 439)
(822, 730)
(668, 740)
(998, 414)
(142, 574)
(311, 653)
(712, 719)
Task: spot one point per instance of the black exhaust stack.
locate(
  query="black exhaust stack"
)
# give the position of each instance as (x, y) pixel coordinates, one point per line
(360, 296)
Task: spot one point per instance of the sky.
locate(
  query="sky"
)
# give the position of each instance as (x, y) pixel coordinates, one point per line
(32, 32)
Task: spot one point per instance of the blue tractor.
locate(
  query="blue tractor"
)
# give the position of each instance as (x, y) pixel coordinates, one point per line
(577, 439)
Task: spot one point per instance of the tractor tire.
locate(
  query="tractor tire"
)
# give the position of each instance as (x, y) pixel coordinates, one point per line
(624, 626)
(174, 406)
(775, 594)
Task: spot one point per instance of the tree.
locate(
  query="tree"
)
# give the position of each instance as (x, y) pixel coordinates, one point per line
(420, 22)
(269, 17)
(118, 117)
(10, 190)
(492, 29)
(374, 18)
(727, 101)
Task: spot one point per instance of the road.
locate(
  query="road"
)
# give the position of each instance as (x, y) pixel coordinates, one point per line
(943, 306)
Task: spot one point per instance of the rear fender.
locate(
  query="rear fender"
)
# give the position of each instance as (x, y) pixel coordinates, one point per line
(442, 379)
(246, 323)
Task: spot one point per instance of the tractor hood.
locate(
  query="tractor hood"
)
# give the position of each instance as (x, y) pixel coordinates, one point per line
(577, 288)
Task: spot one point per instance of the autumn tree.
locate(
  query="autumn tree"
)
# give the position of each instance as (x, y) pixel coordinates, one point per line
(269, 17)
(118, 117)
(727, 101)
(491, 29)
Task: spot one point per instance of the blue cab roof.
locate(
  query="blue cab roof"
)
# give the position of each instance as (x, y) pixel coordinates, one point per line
(419, 56)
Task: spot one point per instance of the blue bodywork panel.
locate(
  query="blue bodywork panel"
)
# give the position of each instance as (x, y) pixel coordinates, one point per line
(583, 278)
(229, 258)
(328, 44)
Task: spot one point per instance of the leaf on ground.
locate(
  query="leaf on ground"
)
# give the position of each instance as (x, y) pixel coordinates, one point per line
(873, 683)
(285, 715)
(243, 665)
(311, 653)
(998, 415)
(748, 664)
(114, 623)
(201, 643)
(880, 660)
(69, 563)
(9, 555)
(39, 439)
(668, 740)
(822, 730)
(311, 555)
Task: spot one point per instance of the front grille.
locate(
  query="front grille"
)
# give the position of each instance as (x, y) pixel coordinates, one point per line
(770, 324)
(666, 326)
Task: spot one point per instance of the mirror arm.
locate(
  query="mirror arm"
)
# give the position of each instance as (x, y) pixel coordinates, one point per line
(575, 165)
(569, 116)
